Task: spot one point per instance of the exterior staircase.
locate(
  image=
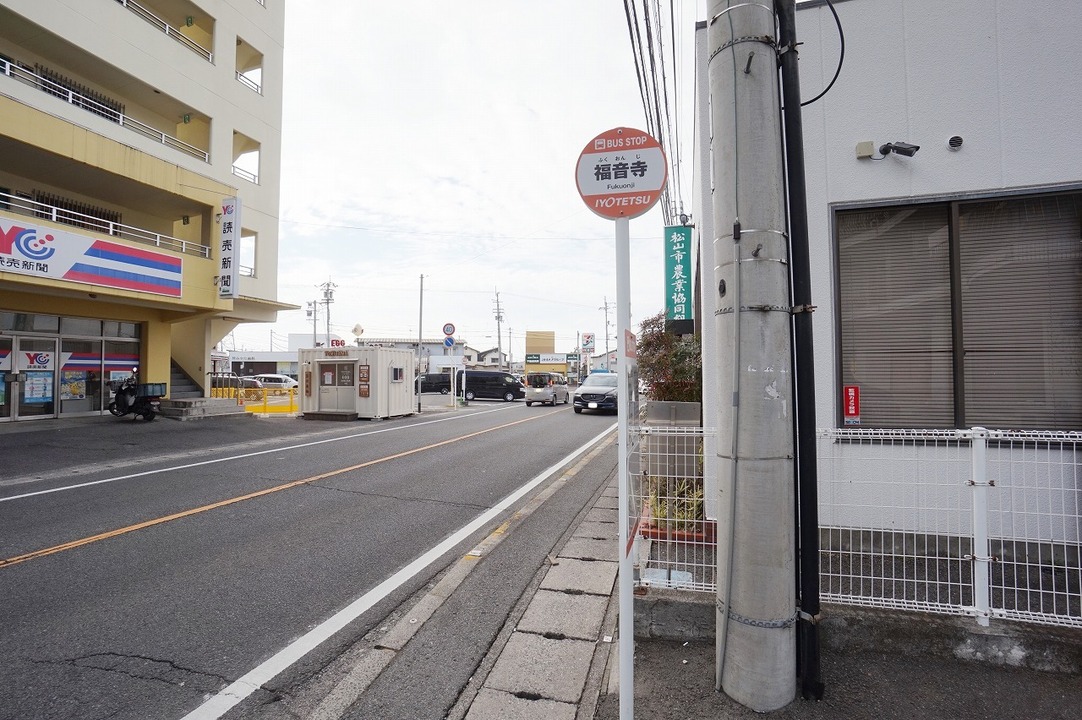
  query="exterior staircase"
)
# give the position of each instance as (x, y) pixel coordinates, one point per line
(180, 385)
(186, 401)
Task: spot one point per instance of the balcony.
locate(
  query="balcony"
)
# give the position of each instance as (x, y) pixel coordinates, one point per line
(168, 29)
(99, 105)
(23, 205)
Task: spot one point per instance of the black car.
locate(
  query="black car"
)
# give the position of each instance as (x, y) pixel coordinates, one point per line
(495, 384)
(598, 391)
(434, 382)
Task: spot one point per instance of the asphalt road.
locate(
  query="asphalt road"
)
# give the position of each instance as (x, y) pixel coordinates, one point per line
(146, 566)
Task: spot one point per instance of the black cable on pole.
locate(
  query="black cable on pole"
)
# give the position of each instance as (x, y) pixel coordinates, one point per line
(841, 56)
(807, 510)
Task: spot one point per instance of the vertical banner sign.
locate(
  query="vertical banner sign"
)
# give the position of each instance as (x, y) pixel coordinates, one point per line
(228, 251)
(851, 404)
(678, 273)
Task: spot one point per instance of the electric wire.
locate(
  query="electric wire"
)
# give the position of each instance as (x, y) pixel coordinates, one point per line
(841, 56)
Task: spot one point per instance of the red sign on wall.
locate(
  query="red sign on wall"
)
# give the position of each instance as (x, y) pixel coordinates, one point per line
(851, 404)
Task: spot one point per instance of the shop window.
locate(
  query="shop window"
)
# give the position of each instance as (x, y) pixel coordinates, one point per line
(962, 314)
(28, 322)
(398, 374)
(80, 326)
(120, 329)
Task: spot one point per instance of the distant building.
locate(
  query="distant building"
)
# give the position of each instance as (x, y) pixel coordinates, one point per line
(435, 356)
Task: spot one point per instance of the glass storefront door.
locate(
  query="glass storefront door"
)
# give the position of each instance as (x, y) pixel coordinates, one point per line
(36, 365)
(80, 376)
(5, 385)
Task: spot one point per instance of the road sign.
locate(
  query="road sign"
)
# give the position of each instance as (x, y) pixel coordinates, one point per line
(449, 329)
(621, 173)
(448, 341)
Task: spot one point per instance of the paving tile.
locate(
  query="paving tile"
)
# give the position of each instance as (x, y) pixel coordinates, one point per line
(607, 502)
(586, 548)
(598, 530)
(552, 669)
(597, 514)
(576, 616)
(498, 705)
(590, 576)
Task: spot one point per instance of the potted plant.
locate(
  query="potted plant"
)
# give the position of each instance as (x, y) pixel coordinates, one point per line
(671, 369)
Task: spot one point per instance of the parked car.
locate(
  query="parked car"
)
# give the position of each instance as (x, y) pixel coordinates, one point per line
(434, 382)
(280, 382)
(599, 391)
(232, 380)
(546, 387)
(489, 384)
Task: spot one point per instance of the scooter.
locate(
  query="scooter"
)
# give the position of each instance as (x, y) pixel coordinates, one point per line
(132, 399)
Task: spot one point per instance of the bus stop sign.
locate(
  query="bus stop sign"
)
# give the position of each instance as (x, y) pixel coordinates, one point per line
(621, 173)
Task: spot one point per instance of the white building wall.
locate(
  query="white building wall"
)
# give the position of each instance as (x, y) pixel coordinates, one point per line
(994, 72)
(112, 33)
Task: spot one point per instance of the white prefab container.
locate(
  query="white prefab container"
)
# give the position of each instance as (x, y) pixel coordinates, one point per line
(357, 382)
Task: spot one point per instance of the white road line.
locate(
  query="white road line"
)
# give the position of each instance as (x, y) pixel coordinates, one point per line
(240, 689)
(231, 458)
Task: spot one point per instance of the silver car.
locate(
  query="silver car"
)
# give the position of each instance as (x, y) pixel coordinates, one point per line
(546, 388)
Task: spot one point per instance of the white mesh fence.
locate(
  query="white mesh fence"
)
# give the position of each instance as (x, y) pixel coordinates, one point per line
(968, 522)
(676, 544)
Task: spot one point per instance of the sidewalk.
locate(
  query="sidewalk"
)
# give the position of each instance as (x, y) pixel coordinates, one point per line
(560, 662)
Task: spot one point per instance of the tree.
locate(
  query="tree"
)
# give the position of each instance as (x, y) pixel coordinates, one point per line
(671, 366)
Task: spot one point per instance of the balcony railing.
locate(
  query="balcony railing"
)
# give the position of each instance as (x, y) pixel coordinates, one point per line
(167, 29)
(79, 100)
(26, 206)
(245, 80)
(249, 176)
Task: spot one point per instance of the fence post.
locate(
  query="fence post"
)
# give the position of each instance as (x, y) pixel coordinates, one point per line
(981, 557)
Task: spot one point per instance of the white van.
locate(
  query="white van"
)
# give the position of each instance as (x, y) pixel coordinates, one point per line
(546, 387)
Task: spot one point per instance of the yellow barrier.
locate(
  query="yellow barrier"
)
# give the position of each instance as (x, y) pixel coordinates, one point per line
(266, 400)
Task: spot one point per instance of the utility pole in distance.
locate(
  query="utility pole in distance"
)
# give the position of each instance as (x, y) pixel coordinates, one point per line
(328, 297)
(605, 307)
(756, 612)
(499, 331)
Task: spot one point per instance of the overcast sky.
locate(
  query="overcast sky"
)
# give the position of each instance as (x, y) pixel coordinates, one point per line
(441, 139)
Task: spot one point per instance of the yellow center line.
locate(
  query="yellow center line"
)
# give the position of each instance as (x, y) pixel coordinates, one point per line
(71, 545)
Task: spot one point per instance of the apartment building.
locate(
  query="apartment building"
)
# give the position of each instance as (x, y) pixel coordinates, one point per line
(139, 191)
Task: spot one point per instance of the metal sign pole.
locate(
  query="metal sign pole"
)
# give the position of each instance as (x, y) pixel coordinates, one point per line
(625, 578)
(620, 174)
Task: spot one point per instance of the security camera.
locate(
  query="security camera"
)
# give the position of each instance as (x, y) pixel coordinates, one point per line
(899, 148)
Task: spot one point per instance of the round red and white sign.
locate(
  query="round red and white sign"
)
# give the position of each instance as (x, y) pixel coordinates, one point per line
(621, 173)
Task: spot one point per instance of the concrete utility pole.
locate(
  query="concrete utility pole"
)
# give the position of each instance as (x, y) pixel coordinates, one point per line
(328, 297)
(756, 603)
(605, 307)
(499, 331)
